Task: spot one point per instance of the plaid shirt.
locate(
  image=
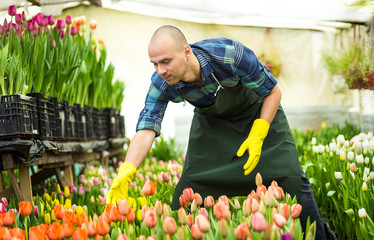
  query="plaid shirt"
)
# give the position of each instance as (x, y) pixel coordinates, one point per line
(221, 59)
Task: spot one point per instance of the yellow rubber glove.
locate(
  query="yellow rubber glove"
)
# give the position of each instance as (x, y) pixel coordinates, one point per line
(253, 144)
(120, 185)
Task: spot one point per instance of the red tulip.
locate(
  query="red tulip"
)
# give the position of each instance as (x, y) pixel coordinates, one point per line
(169, 225)
(242, 231)
(150, 218)
(18, 233)
(296, 210)
(8, 219)
(12, 10)
(25, 208)
(258, 222)
(196, 233)
(203, 223)
(59, 211)
(209, 202)
(149, 188)
(221, 210)
(279, 220)
(188, 194)
(123, 206)
(103, 228)
(55, 231)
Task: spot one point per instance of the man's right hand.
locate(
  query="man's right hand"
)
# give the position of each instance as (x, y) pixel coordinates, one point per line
(120, 185)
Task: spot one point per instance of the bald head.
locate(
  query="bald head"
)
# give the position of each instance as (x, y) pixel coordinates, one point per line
(169, 34)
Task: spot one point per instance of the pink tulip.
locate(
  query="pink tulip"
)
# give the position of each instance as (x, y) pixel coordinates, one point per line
(150, 218)
(242, 231)
(2, 208)
(284, 210)
(165, 176)
(279, 220)
(208, 202)
(198, 199)
(18, 18)
(169, 225)
(60, 24)
(260, 189)
(114, 214)
(51, 20)
(23, 16)
(122, 236)
(68, 19)
(196, 233)
(188, 194)
(221, 210)
(183, 202)
(189, 220)
(12, 10)
(258, 179)
(258, 222)
(158, 208)
(203, 211)
(182, 216)
(149, 188)
(296, 210)
(224, 199)
(203, 223)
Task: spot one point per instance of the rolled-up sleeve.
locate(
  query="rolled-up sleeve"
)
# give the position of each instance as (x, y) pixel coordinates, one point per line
(251, 72)
(153, 112)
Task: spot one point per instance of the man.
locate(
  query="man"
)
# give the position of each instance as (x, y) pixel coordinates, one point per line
(237, 109)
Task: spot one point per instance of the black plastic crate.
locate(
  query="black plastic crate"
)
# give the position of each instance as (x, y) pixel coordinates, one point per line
(103, 123)
(63, 121)
(121, 126)
(90, 122)
(116, 123)
(18, 116)
(46, 115)
(76, 119)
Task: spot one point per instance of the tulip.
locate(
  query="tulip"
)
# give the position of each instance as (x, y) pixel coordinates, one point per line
(149, 188)
(131, 215)
(5, 233)
(25, 208)
(80, 218)
(103, 228)
(8, 219)
(203, 211)
(182, 216)
(90, 228)
(188, 194)
(122, 236)
(203, 223)
(353, 167)
(35, 233)
(68, 19)
(150, 218)
(279, 220)
(196, 232)
(67, 229)
(4, 201)
(199, 200)
(158, 208)
(47, 218)
(242, 231)
(169, 225)
(208, 202)
(68, 216)
(258, 222)
(165, 176)
(114, 215)
(364, 187)
(236, 204)
(258, 179)
(2, 208)
(295, 210)
(79, 233)
(221, 210)
(123, 206)
(59, 211)
(284, 210)
(360, 159)
(260, 189)
(55, 231)
(362, 213)
(223, 228)
(342, 156)
(166, 210)
(189, 220)
(17, 233)
(93, 24)
(193, 206)
(338, 175)
(12, 10)
(180, 234)
(183, 202)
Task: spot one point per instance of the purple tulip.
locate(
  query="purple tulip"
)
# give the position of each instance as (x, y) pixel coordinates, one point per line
(68, 19)
(29, 26)
(51, 20)
(36, 19)
(60, 24)
(62, 34)
(18, 18)
(286, 236)
(12, 10)
(74, 30)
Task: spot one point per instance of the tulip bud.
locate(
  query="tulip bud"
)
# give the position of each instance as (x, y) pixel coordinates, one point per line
(236, 204)
(209, 201)
(203, 223)
(193, 206)
(338, 175)
(362, 213)
(93, 24)
(258, 179)
(169, 225)
(182, 216)
(364, 187)
(279, 220)
(296, 210)
(223, 228)
(342, 156)
(68, 19)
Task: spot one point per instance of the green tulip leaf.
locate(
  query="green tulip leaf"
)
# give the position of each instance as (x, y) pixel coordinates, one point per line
(350, 213)
(330, 193)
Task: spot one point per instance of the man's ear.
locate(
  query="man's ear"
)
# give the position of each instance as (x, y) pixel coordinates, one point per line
(187, 50)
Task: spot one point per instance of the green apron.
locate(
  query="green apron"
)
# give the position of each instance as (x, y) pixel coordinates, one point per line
(211, 165)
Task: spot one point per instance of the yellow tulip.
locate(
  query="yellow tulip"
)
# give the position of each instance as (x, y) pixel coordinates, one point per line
(66, 192)
(132, 202)
(79, 209)
(58, 189)
(53, 217)
(46, 197)
(68, 203)
(139, 215)
(47, 218)
(143, 201)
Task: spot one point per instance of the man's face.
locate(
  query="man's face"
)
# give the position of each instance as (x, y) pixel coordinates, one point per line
(170, 62)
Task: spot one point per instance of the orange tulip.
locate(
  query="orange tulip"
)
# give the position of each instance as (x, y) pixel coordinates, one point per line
(209, 202)
(123, 207)
(5, 233)
(284, 210)
(149, 188)
(183, 202)
(109, 207)
(242, 231)
(55, 231)
(131, 215)
(8, 219)
(169, 225)
(103, 228)
(296, 210)
(79, 234)
(25, 208)
(150, 218)
(221, 210)
(114, 215)
(68, 217)
(104, 216)
(224, 199)
(59, 211)
(90, 228)
(37, 233)
(196, 233)
(67, 228)
(198, 199)
(80, 218)
(188, 194)
(189, 220)
(18, 233)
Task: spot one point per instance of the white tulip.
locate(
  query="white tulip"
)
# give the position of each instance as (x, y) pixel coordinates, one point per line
(315, 149)
(350, 155)
(360, 159)
(340, 139)
(371, 175)
(367, 160)
(338, 175)
(361, 137)
(371, 145)
(346, 144)
(321, 148)
(314, 141)
(366, 171)
(362, 213)
(369, 136)
(332, 147)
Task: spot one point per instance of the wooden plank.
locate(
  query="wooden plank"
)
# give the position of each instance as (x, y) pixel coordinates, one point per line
(116, 151)
(8, 161)
(41, 176)
(68, 175)
(7, 193)
(25, 183)
(60, 178)
(85, 157)
(16, 188)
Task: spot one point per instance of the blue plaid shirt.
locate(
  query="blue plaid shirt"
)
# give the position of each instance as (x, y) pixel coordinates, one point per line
(227, 60)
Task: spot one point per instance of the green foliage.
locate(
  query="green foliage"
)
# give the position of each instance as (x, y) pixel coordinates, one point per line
(164, 150)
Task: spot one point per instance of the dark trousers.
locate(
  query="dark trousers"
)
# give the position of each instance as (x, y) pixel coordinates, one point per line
(309, 208)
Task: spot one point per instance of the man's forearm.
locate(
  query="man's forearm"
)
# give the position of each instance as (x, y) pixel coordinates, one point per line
(140, 146)
(271, 104)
